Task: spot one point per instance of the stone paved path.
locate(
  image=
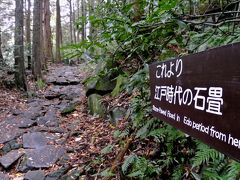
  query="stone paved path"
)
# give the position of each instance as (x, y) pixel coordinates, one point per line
(33, 140)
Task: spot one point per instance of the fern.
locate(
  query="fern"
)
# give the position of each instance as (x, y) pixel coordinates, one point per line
(128, 162)
(211, 175)
(107, 173)
(205, 154)
(158, 133)
(178, 173)
(142, 132)
(233, 171)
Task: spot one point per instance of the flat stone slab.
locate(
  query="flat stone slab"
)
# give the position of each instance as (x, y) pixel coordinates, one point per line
(62, 81)
(4, 176)
(26, 123)
(44, 157)
(10, 158)
(49, 119)
(53, 92)
(21, 122)
(32, 113)
(9, 131)
(35, 175)
(66, 75)
(35, 140)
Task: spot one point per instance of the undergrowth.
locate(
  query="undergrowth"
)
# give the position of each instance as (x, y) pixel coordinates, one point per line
(131, 35)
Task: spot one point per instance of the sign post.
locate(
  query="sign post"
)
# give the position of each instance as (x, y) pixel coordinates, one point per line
(200, 95)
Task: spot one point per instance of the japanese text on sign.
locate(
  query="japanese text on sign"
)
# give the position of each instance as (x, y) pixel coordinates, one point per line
(213, 103)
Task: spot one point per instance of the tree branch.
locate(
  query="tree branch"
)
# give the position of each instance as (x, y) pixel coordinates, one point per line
(212, 24)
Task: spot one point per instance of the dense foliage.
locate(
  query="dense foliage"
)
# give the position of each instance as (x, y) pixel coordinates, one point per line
(128, 36)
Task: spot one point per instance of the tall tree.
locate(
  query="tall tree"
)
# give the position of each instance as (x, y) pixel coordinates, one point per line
(83, 8)
(47, 33)
(71, 20)
(78, 16)
(28, 32)
(19, 48)
(36, 40)
(74, 21)
(1, 55)
(91, 4)
(58, 32)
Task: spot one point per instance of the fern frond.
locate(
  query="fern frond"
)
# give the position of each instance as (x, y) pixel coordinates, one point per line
(233, 171)
(205, 154)
(159, 133)
(128, 162)
(178, 173)
(212, 175)
(142, 132)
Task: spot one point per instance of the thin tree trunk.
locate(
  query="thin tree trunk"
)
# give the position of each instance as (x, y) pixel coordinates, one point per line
(71, 20)
(58, 32)
(74, 27)
(19, 48)
(190, 7)
(2, 63)
(83, 6)
(44, 59)
(37, 49)
(138, 11)
(91, 8)
(47, 33)
(78, 16)
(28, 33)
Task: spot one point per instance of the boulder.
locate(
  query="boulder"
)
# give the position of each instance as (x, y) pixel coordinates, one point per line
(105, 84)
(99, 85)
(69, 108)
(117, 114)
(95, 105)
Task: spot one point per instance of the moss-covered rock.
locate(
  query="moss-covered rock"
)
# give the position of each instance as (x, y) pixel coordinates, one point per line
(117, 114)
(105, 84)
(95, 105)
(69, 109)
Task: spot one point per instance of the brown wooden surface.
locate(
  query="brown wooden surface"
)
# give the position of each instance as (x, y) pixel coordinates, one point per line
(219, 67)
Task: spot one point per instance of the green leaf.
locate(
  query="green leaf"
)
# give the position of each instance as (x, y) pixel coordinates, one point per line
(196, 176)
(128, 162)
(107, 173)
(107, 149)
(136, 174)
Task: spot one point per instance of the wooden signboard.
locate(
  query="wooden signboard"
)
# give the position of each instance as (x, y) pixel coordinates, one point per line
(200, 95)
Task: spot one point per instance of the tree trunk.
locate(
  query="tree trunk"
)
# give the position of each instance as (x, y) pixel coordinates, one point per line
(138, 11)
(58, 32)
(78, 16)
(91, 9)
(190, 7)
(18, 48)
(36, 42)
(47, 33)
(1, 55)
(74, 21)
(71, 20)
(28, 33)
(83, 6)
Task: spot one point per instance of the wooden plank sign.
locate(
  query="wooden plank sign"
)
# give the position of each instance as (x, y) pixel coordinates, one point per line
(200, 95)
